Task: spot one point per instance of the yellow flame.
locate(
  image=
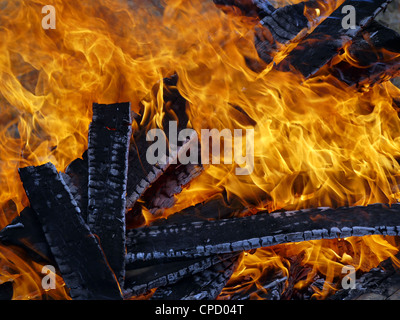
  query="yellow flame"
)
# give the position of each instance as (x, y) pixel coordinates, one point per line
(317, 143)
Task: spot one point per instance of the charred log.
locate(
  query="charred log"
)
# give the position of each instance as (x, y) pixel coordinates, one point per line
(161, 195)
(6, 291)
(77, 179)
(374, 57)
(262, 230)
(380, 283)
(75, 249)
(141, 174)
(206, 285)
(109, 138)
(139, 281)
(325, 42)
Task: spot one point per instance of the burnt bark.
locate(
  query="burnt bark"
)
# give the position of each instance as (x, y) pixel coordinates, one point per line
(75, 249)
(141, 173)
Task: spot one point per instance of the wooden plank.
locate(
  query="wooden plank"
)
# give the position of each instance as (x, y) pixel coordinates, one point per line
(377, 54)
(139, 281)
(262, 230)
(76, 250)
(324, 43)
(109, 139)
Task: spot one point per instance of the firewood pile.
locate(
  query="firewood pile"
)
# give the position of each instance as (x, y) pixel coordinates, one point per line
(88, 222)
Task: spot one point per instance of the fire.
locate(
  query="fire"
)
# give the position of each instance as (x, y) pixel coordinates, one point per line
(318, 143)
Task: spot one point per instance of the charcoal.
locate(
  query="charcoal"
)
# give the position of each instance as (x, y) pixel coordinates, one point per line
(77, 178)
(205, 285)
(139, 281)
(75, 249)
(25, 231)
(109, 138)
(325, 42)
(204, 238)
(142, 174)
(371, 50)
(380, 283)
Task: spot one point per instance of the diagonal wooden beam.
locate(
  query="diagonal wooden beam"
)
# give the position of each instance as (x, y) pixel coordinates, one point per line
(325, 42)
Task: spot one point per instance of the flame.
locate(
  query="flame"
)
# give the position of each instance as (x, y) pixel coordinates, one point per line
(318, 143)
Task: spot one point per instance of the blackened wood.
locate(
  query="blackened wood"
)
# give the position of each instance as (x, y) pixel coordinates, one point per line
(139, 281)
(261, 230)
(206, 285)
(161, 195)
(216, 207)
(278, 28)
(76, 250)
(77, 178)
(377, 54)
(252, 8)
(109, 139)
(382, 282)
(142, 174)
(25, 231)
(324, 43)
(268, 287)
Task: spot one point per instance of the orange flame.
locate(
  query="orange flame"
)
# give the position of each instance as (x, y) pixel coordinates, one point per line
(317, 142)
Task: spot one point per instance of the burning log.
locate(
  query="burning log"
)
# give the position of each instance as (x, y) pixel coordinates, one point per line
(325, 42)
(374, 57)
(75, 249)
(280, 28)
(206, 285)
(270, 291)
(109, 137)
(141, 174)
(253, 8)
(380, 283)
(160, 196)
(139, 281)
(228, 235)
